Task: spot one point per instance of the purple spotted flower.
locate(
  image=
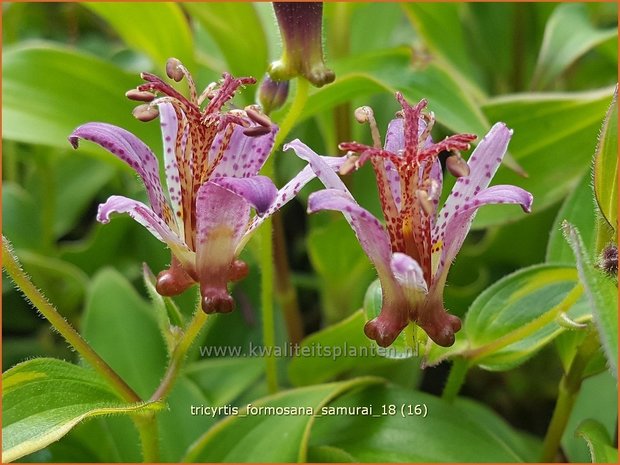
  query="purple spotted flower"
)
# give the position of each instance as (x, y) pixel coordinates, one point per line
(212, 159)
(413, 253)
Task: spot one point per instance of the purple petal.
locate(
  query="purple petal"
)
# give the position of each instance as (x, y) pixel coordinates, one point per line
(292, 188)
(152, 222)
(452, 232)
(395, 136)
(319, 165)
(409, 275)
(221, 221)
(132, 151)
(483, 164)
(259, 191)
(169, 129)
(243, 155)
(374, 240)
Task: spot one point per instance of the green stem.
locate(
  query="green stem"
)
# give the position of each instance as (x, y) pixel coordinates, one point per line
(9, 160)
(286, 292)
(456, 378)
(524, 331)
(178, 355)
(301, 96)
(149, 438)
(567, 395)
(266, 240)
(38, 300)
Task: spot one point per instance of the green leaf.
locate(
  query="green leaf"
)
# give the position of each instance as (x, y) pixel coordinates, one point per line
(606, 165)
(347, 348)
(462, 431)
(122, 328)
(441, 26)
(64, 283)
(251, 436)
(602, 294)
(390, 70)
(78, 88)
(513, 302)
(159, 30)
(20, 222)
(578, 209)
(553, 139)
(237, 29)
(223, 380)
(597, 400)
(599, 443)
(342, 267)
(568, 35)
(43, 399)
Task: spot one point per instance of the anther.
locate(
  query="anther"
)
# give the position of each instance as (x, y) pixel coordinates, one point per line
(257, 116)
(425, 201)
(366, 115)
(457, 166)
(145, 112)
(139, 95)
(174, 69)
(256, 131)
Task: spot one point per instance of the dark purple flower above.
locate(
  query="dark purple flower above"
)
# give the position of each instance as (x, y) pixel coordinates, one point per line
(302, 47)
(413, 253)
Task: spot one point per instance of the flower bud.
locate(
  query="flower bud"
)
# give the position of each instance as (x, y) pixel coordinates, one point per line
(272, 94)
(302, 55)
(608, 260)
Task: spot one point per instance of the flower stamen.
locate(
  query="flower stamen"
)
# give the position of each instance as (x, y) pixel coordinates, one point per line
(366, 115)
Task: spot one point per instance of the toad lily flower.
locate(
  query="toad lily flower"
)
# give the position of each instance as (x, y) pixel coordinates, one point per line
(413, 253)
(211, 161)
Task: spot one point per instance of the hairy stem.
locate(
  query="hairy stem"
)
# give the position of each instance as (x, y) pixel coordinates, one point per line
(178, 355)
(39, 301)
(567, 395)
(527, 329)
(456, 378)
(149, 437)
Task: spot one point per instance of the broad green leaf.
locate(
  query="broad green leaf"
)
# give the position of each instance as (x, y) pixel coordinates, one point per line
(223, 380)
(342, 267)
(528, 295)
(21, 222)
(553, 139)
(43, 399)
(250, 437)
(442, 29)
(159, 30)
(345, 347)
(597, 400)
(568, 35)
(121, 327)
(63, 283)
(237, 29)
(386, 72)
(462, 431)
(599, 442)
(602, 294)
(606, 166)
(78, 180)
(578, 209)
(78, 88)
